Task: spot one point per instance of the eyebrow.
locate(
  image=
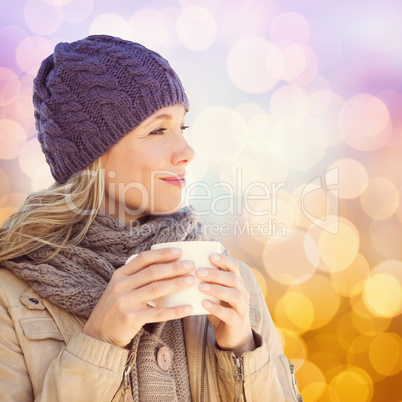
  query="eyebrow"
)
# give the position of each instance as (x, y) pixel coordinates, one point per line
(164, 116)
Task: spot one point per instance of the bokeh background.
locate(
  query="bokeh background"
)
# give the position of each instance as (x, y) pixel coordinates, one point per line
(296, 120)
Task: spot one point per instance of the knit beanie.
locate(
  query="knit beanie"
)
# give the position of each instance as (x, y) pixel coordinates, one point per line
(90, 93)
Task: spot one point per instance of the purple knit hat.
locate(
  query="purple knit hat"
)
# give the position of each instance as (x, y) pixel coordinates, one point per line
(90, 93)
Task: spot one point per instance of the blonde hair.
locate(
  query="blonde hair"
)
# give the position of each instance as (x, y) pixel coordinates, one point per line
(47, 217)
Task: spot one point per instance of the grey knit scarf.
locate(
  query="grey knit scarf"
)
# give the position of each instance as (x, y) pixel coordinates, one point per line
(78, 275)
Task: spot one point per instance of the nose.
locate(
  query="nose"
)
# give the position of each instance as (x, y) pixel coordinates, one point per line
(184, 153)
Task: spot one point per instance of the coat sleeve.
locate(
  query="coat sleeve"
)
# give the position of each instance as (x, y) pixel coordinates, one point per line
(266, 374)
(84, 369)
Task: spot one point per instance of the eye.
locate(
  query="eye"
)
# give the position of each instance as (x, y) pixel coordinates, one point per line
(183, 128)
(158, 131)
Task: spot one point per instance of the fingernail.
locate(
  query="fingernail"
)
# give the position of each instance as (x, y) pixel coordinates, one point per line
(188, 309)
(175, 251)
(188, 264)
(189, 279)
(202, 272)
(205, 286)
(215, 257)
(207, 304)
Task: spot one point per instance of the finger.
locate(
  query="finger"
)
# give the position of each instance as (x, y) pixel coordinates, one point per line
(157, 289)
(225, 263)
(149, 257)
(235, 298)
(159, 272)
(160, 314)
(225, 278)
(225, 314)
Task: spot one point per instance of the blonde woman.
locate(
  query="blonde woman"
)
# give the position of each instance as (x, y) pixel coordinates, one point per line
(74, 319)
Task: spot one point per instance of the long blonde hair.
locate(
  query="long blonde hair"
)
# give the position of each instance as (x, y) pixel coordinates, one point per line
(47, 217)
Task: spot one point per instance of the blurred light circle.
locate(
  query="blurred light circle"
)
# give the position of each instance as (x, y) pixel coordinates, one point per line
(370, 325)
(74, 11)
(358, 355)
(42, 18)
(336, 240)
(266, 132)
(353, 384)
(339, 250)
(364, 123)
(309, 374)
(196, 28)
(351, 280)
(298, 309)
(110, 24)
(385, 352)
(274, 164)
(290, 103)
(42, 178)
(325, 299)
(279, 260)
(309, 73)
(380, 199)
(290, 26)
(218, 133)
(320, 392)
(294, 60)
(353, 178)
(31, 157)
(9, 86)
(383, 295)
(30, 53)
(293, 345)
(325, 106)
(254, 64)
(383, 289)
(250, 110)
(12, 139)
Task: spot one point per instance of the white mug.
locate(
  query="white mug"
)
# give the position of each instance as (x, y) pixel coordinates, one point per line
(199, 252)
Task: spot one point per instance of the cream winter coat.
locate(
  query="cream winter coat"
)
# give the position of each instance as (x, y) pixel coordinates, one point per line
(44, 356)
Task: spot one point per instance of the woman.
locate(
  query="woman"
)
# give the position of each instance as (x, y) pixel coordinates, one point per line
(74, 320)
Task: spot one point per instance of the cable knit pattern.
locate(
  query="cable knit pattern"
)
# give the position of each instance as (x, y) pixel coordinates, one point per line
(76, 278)
(90, 93)
(148, 381)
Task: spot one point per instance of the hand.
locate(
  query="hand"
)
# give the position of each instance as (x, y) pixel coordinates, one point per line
(122, 310)
(230, 318)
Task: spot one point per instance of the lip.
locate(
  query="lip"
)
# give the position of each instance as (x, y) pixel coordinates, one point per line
(178, 181)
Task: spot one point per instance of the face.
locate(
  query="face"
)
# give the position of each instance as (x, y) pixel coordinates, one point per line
(145, 171)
